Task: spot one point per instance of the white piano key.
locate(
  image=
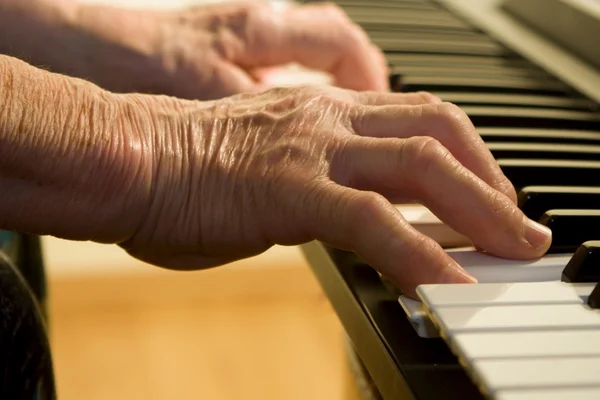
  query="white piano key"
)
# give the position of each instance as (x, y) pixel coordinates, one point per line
(476, 346)
(550, 394)
(487, 268)
(422, 324)
(497, 294)
(452, 320)
(424, 221)
(561, 372)
(418, 317)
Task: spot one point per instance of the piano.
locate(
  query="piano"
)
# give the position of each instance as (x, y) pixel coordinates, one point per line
(527, 72)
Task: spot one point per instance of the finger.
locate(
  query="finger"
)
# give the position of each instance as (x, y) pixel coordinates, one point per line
(232, 80)
(445, 122)
(385, 98)
(424, 167)
(317, 36)
(369, 225)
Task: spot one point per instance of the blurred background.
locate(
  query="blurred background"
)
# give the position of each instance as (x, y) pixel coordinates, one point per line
(256, 329)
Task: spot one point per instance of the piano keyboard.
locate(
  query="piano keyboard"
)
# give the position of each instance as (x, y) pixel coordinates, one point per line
(527, 330)
(516, 338)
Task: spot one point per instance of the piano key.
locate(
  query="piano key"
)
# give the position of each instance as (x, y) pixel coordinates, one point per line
(467, 70)
(520, 100)
(416, 4)
(523, 173)
(425, 328)
(594, 298)
(545, 151)
(366, 16)
(563, 343)
(494, 63)
(418, 317)
(492, 79)
(536, 373)
(536, 118)
(530, 135)
(487, 268)
(534, 201)
(584, 266)
(497, 294)
(453, 320)
(572, 393)
(475, 85)
(428, 224)
(435, 35)
(570, 228)
(397, 44)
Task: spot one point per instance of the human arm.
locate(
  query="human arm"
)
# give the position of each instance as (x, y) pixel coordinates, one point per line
(192, 185)
(202, 52)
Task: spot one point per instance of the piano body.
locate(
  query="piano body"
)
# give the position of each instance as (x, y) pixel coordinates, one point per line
(528, 74)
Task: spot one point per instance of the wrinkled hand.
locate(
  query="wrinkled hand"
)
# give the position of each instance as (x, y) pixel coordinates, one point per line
(233, 177)
(209, 52)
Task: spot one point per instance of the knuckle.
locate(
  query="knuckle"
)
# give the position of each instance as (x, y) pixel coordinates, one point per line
(362, 210)
(327, 100)
(452, 117)
(429, 98)
(264, 118)
(421, 153)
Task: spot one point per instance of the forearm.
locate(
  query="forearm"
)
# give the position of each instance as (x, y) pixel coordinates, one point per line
(69, 164)
(111, 47)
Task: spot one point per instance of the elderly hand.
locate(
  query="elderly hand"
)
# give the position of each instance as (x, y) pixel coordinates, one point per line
(204, 52)
(230, 178)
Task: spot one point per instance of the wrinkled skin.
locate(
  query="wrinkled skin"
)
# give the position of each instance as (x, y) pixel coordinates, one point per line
(230, 178)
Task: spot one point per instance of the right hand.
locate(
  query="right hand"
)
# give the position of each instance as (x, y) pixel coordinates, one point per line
(229, 179)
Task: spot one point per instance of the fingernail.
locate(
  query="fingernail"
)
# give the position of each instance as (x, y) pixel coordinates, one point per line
(537, 235)
(456, 274)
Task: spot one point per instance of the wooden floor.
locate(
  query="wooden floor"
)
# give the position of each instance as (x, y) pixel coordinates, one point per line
(232, 333)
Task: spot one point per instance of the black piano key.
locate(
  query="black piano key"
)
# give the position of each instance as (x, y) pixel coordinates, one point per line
(533, 118)
(550, 151)
(521, 100)
(534, 201)
(524, 173)
(584, 266)
(418, 4)
(492, 80)
(570, 228)
(470, 71)
(390, 5)
(493, 63)
(529, 135)
(475, 85)
(594, 298)
(398, 44)
(408, 30)
(403, 16)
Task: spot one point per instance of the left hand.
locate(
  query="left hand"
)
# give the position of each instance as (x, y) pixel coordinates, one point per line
(213, 51)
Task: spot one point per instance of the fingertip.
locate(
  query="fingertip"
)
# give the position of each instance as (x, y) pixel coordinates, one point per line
(537, 235)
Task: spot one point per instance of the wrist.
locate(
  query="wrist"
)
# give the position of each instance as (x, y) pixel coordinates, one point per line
(69, 165)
